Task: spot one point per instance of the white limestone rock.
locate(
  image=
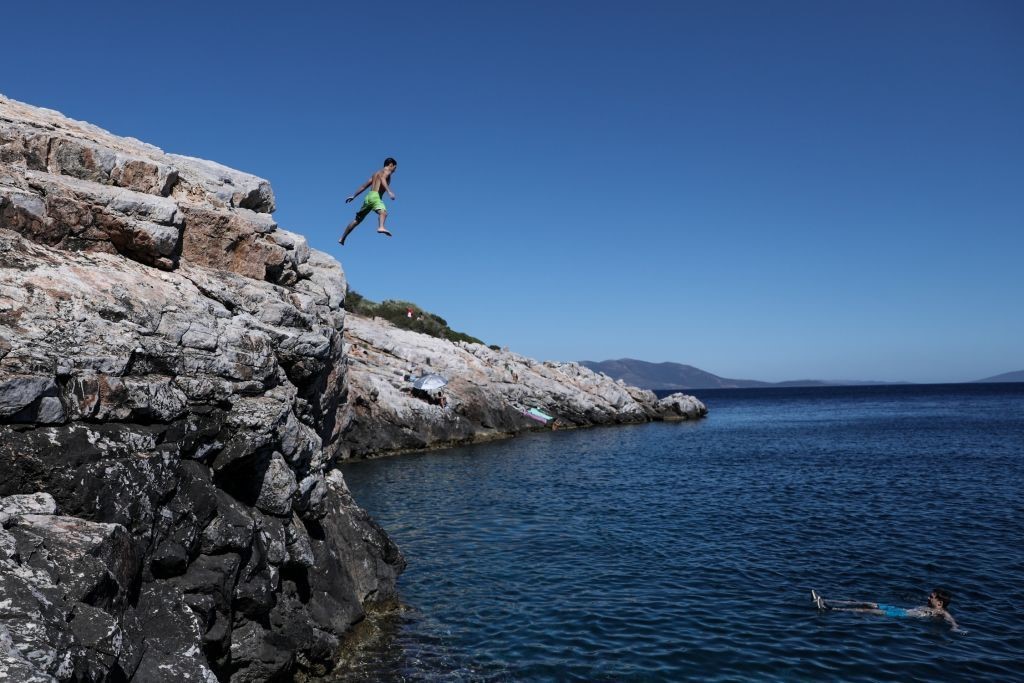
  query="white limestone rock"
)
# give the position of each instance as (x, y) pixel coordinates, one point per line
(679, 406)
(28, 504)
(71, 184)
(486, 397)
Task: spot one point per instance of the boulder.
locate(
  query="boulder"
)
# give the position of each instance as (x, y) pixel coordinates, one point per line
(679, 406)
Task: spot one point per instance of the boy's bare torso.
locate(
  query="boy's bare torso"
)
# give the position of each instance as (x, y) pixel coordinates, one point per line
(379, 180)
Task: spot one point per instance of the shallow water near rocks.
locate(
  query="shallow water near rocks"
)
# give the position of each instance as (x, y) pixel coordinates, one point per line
(688, 551)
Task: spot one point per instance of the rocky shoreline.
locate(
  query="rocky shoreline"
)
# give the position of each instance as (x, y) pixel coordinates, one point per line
(487, 394)
(178, 379)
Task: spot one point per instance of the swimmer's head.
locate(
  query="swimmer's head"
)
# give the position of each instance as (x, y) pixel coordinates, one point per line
(941, 597)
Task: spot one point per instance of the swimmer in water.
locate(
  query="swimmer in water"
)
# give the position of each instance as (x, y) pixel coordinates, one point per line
(938, 601)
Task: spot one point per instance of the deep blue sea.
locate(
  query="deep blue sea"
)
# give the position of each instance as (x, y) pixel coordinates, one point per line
(667, 552)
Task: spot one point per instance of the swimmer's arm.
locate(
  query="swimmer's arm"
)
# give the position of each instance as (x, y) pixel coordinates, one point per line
(360, 190)
(950, 620)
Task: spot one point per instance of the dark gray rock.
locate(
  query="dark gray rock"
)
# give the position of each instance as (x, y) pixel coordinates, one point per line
(108, 653)
(64, 586)
(171, 636)
(258, 655)
(298, 544)
(95, 564)
(278, 487)
(17, 393)
(231, 530)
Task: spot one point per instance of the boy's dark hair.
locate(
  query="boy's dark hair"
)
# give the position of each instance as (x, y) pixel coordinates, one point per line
(390, 161)
(943, 596)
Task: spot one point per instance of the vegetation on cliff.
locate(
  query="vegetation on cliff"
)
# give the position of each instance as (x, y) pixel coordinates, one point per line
(397, 313)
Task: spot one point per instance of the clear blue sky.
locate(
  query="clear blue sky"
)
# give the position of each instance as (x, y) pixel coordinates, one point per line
(766, 190)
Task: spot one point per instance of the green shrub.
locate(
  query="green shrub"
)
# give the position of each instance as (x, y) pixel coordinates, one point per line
(397, 313)
(355, 303)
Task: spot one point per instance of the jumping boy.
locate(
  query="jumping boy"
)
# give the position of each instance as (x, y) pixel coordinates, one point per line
(938, 600)
(372, 201)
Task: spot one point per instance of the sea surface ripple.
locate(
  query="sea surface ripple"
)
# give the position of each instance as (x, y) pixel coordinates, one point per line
(668, 552)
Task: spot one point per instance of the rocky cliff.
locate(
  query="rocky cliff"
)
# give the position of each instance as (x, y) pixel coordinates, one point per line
(174, 392)
(172, 386)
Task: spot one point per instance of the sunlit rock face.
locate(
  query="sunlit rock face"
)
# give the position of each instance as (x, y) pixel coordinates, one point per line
(489, 393)
(172, 388)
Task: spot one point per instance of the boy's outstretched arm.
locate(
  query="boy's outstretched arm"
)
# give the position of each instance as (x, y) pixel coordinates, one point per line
(360, 190)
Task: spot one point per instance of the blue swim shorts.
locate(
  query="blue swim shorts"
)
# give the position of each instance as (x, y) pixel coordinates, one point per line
(892, 611)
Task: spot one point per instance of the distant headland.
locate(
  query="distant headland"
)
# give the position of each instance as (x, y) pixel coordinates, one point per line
(1017, 376)
(664, 376)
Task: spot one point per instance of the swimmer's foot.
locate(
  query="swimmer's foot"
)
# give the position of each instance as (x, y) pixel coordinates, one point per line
(818, 602)
(341, 241)
(384, 231)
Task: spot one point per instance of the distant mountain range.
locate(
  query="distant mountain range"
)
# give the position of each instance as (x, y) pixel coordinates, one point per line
(1006, 377)
(646, 375)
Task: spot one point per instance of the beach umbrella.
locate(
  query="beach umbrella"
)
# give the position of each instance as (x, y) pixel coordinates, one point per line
(431, 382)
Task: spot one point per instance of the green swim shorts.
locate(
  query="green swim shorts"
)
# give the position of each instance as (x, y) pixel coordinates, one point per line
(372, 202)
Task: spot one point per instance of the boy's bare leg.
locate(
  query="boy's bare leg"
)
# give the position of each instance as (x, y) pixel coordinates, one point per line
(349, 229)
(381, 229)
(848, 605)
